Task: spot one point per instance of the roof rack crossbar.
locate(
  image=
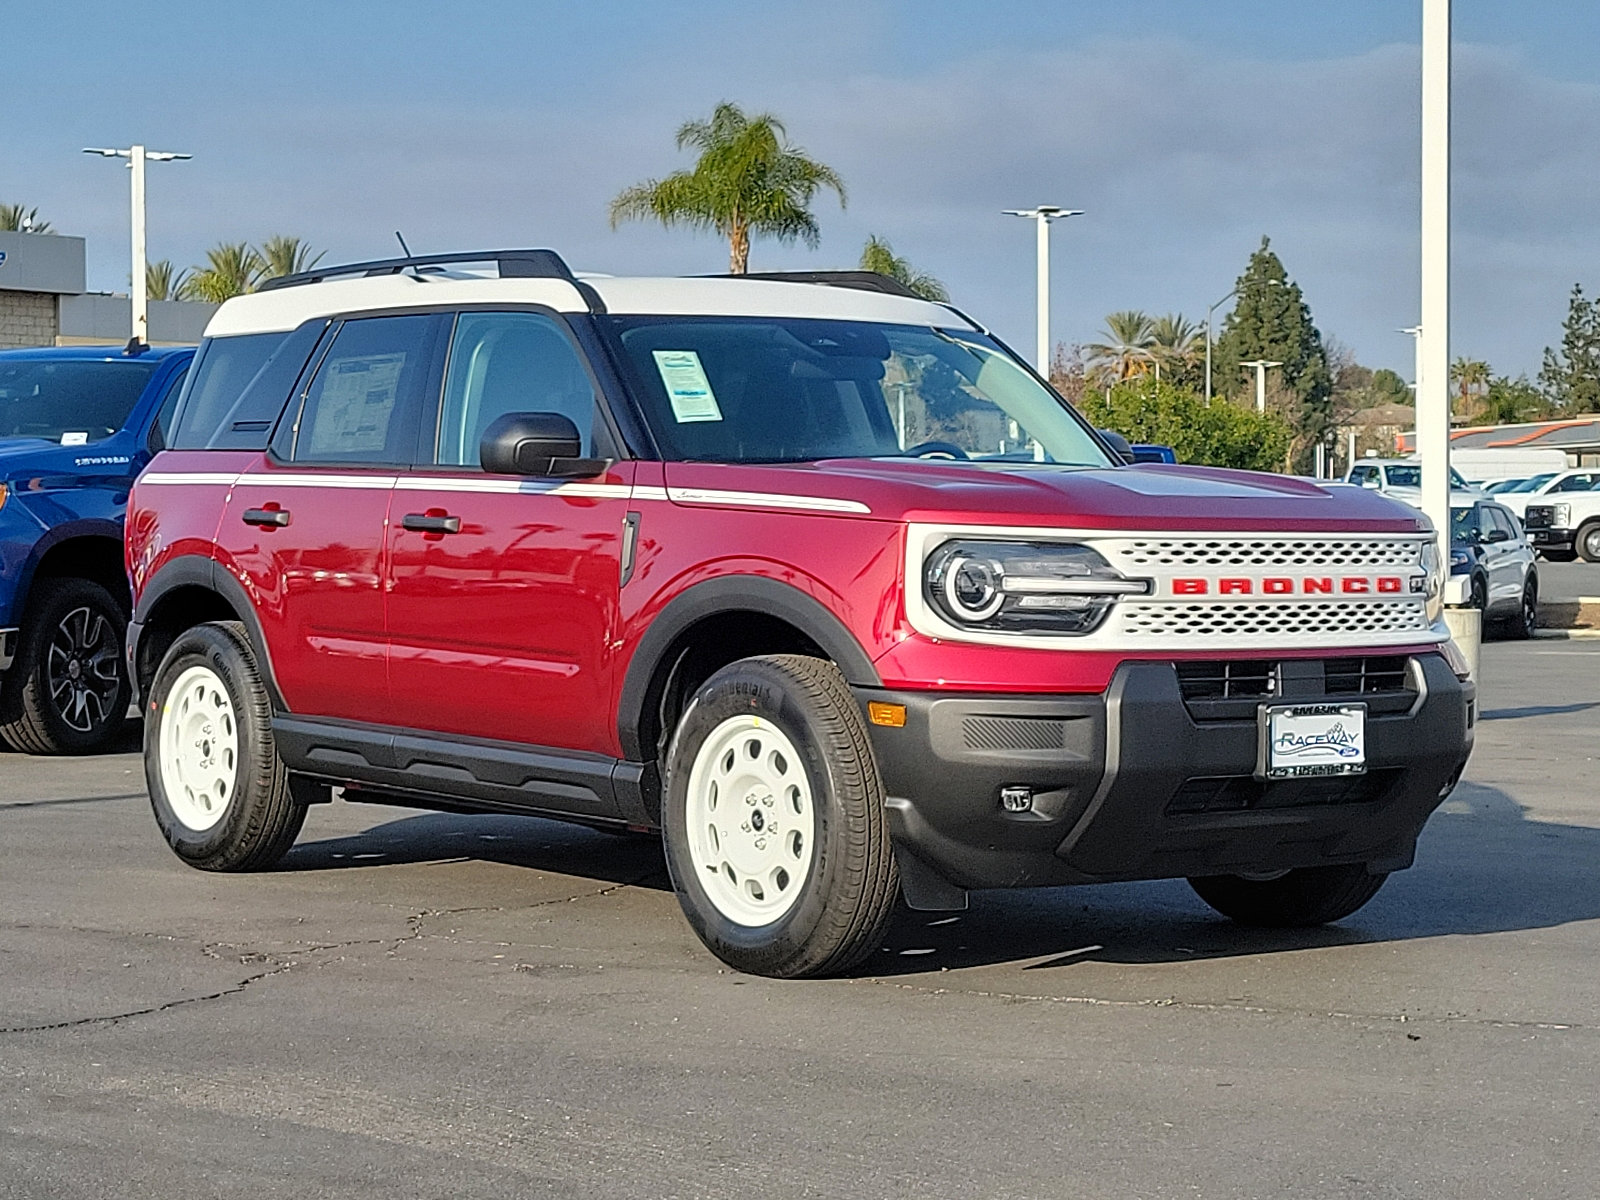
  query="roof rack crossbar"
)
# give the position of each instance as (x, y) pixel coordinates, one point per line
(513, 264)
(861, 281)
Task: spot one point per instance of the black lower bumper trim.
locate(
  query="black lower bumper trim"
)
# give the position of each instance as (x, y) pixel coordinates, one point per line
(1127, 785)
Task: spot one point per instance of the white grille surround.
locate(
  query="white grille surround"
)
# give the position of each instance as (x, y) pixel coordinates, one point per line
(1274, 597)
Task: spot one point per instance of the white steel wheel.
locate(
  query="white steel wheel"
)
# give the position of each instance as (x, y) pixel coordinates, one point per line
(751, 821)
(199, 748)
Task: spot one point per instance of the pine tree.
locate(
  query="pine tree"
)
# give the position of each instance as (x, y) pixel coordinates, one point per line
(1571, 377)
(1270, 320)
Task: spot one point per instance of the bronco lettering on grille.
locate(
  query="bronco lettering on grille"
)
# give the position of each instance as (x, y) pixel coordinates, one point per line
(1310, 585)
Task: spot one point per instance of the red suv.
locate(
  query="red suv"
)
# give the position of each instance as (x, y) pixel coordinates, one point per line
(812, 575)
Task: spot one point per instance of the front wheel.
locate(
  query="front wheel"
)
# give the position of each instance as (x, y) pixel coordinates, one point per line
(1299, 898)
(68, 692)
(1526, 619)
(1587, 543)
(774, 820)
(220, 793)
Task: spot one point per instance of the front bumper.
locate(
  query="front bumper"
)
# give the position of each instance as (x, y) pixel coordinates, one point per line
(8, 648)
(1551, 539)
(1132, 784)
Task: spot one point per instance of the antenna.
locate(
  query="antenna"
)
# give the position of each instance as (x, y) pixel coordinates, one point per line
(403, 246)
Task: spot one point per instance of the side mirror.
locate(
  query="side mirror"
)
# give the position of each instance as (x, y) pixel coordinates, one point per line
(536, 443)
(1497, 535)
(1118, 444)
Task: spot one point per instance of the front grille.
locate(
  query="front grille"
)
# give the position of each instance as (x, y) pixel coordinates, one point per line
(1353, 554)
(1227, 679)
(1539, 516)
(1239, 793)
(1369, 676)
(1339, 619)
(1013, 733)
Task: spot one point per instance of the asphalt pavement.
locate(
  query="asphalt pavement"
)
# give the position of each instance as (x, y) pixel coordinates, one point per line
(1568, 581)
(421, 1005)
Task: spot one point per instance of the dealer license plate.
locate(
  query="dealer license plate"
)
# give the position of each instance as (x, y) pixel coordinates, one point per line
(1300, 740)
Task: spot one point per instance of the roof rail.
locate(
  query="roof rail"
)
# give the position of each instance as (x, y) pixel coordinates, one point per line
(513, 264)
(861, 281)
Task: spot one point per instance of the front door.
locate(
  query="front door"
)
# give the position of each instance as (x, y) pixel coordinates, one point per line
(503, 596)
(304, 527)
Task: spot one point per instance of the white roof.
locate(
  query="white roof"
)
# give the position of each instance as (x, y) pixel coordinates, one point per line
(285, 308)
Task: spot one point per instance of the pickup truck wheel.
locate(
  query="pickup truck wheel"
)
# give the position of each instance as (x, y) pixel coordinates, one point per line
(220, 793)
(1303, 897)
(774, 821)
(1587, 543)
(67, 693)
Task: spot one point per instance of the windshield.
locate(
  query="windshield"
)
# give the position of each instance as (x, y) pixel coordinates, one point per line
(1463, 526)
(70, 403)
(1409, 475)
(766, 389)
(1532, 485)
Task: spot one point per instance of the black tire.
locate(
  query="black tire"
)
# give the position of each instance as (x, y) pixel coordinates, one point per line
(848, 895)
(1479, 599)
(1526, 619)
(1304, 897)
(259, 817)
(1587, 542)
(67, 692)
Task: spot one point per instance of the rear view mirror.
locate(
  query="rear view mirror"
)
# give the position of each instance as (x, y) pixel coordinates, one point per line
(1118, 444)
(536, 443)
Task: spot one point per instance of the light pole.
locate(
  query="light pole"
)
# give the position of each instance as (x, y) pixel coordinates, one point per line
(1043, 215)
(1433, 344)
(1212, 309)
(1261, 365)
(137, 156)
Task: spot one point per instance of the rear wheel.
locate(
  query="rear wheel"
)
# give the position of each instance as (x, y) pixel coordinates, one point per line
(1302, 897)
(67, 692)
(1526, 619)
(220, 793)
(774, 820)
(1587, 543)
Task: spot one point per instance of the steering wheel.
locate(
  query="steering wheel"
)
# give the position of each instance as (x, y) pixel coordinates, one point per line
(937, 449)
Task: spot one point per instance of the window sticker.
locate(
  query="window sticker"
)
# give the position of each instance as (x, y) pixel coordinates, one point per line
(357, 401)
(687, 386)
(74, 439)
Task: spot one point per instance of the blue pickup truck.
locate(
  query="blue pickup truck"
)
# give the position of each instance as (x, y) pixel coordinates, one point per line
(76, 425)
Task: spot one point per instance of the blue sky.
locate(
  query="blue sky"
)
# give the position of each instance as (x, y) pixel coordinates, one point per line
(1186, 129)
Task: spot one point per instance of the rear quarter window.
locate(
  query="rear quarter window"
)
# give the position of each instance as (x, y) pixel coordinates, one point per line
(239, 387)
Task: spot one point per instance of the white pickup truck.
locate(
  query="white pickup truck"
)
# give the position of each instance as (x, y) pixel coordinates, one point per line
(1561, 525)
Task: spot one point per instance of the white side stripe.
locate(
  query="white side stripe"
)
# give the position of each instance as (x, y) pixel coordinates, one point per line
(765, 500)
(210, 479)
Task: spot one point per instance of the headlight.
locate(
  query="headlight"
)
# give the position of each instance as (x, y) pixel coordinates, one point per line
(1024, 587)
(1460, 560)
(1561, 515)
(1432, 568)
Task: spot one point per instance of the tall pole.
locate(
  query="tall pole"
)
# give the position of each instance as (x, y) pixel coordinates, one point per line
(1433, 345)
(1044, 295)
(137, 293)
(1209, 311)
(1261, 365)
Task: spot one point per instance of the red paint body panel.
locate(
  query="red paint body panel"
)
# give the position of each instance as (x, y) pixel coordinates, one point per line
(508, 629)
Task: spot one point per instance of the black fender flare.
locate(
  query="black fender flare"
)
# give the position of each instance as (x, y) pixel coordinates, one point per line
(194, 570)
(731, 593)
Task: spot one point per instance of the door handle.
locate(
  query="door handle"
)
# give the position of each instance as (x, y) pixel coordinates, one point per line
(429, 523)
(267, 518)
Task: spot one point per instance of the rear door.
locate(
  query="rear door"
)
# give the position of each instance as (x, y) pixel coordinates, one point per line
(304, 526)
(504, 590)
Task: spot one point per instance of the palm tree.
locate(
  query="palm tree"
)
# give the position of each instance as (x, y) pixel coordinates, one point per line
(1470, 375)
(1127, 348)
(231, 269)
(284, 254)
(877, 255)
(16, 219)
(162, 282)
(748, 181)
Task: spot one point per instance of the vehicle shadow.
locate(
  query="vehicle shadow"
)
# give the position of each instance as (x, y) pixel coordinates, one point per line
(1482, 867)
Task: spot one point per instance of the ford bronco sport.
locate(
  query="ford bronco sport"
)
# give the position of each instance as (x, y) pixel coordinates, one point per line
(812, 576)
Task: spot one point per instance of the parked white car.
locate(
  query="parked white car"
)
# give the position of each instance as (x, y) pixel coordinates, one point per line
(1399, 475)
(1535, 490)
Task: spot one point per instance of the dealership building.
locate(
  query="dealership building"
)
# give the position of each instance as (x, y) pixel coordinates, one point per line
(43, 301)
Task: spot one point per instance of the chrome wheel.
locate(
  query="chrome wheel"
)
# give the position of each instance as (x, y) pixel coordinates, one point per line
(199, 748)
(82, 671)
(1591, 544)
(751, 821)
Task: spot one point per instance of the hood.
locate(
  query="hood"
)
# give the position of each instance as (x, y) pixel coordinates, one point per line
(1147, 496)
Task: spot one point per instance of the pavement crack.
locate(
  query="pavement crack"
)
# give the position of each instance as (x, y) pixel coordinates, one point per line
(114, 1018)
(418, 920)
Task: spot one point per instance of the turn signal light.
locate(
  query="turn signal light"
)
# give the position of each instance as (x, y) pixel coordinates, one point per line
(892, 715)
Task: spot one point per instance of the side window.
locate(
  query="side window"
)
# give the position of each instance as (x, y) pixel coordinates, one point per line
(169, 405)
(1503, 519)
(1362, 474)
(509, 362)
(363, 403)
(1575, 483)
(237, 389)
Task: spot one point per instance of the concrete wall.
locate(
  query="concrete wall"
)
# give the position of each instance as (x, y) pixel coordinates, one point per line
(27, 319)
(99, 318)
(41, 262)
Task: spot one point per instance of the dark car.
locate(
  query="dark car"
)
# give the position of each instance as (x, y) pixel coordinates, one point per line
(1488, 547)
(76, 426)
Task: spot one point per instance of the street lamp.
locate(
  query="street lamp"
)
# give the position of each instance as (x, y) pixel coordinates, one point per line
(137, 156)
(1044, 214)
(1212, 309)
(1261, 365)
